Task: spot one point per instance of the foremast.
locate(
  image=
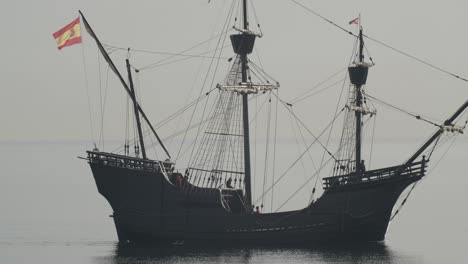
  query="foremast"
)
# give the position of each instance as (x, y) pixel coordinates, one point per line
(362, 71)
(358, 77)
(358, 73)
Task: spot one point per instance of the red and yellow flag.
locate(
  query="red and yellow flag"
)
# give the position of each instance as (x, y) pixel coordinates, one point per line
(69, 35)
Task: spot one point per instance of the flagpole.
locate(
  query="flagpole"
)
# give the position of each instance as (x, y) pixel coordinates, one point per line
(360, 22)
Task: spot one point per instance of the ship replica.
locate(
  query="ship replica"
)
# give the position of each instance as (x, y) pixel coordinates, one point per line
(210, 201)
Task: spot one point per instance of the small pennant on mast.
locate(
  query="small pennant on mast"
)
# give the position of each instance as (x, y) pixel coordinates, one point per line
(355, 21)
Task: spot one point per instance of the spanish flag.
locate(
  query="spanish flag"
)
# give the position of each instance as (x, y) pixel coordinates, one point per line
(69, 35)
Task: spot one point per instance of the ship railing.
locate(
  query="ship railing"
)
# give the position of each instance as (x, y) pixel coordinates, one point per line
(121, 161)
(344, 166)
(416, 169)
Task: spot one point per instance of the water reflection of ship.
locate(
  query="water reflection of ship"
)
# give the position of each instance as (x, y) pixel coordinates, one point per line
(325, 253)
(211, 202)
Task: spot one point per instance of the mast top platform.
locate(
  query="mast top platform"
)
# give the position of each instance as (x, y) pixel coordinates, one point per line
(243, 44)
(248, 87)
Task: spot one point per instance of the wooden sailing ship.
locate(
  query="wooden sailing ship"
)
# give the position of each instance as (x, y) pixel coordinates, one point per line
(211, 200)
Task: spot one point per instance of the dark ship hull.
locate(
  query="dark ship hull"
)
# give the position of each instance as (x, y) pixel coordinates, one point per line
(149, 208)
(153, 204)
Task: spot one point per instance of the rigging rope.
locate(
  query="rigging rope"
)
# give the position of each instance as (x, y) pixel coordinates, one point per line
(160, 64)
(308, 130)
(416, 183)
(267, 146)
(383, 44)
(274, 149)
(331, 128)
(303, 153)
(152, 65)
(256, 17)
(172, 116)
(103, 101)
(127, 127)
(372, 142)
(193, 86)
(172, 54)
(101, 139)
(305, 184)
(228, 18)
(418, 117)
(319, 91)
(298, 98)
(293, 127)
(87, 95)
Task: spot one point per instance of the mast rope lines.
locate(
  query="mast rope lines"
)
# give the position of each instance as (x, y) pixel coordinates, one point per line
(182, 131)
(172, 117)
(304, 95)
(160, 63)
(456, 133)
(451, 128)
(220, 45)
(289, 108)
(400, 207)
(86, 82)
(121, 79)
(338, 103)
(201, 97)
(382, 43)
(102, 100)
(316, 139)
(171, 54)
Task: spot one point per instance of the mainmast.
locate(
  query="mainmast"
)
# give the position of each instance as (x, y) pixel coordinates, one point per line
(245, 105)
(229, 133)
(359, 166)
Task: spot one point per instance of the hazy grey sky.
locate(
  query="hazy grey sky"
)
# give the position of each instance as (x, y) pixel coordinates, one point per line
(44, 93)
(44, 96)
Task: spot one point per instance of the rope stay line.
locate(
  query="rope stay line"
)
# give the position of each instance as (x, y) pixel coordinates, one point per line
(315, 175)
(179, 132)
(221, 41)
(293, 127)
(274, 150)
(454, 135)
(172, 116)
(304, 95)
(304, 152)
(319, 91)
(86, 82)
(160, 62)
(172, 54)
(338, 103)
(267, 146)
(418, 117)
(382, 44)
(288, 107)
(429, 173)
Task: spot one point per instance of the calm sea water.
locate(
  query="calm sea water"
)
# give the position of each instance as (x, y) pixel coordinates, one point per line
(51, 212)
